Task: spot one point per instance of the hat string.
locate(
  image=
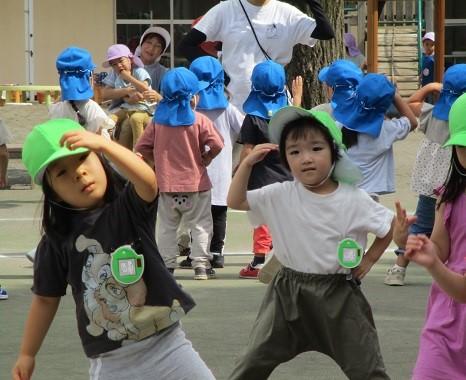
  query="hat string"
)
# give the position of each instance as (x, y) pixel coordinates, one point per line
(76, 71)
(278, 92)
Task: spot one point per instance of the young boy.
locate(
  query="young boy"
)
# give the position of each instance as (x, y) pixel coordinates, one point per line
(182, 143)
(428, 60)
(313, 302)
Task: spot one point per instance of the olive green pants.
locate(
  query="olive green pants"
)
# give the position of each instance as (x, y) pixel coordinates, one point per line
(307, 312)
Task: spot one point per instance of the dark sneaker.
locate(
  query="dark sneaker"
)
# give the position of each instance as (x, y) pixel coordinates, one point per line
(250, 272)
(3, 293)
(186, 263)
(217, 261)
(184, 251)
(201, 273)
(211, 273)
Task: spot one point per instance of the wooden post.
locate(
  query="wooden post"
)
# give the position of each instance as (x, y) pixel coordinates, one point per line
(439, 28)
(372, 32)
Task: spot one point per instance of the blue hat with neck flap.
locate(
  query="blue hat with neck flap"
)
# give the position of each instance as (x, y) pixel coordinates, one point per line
(454, 85)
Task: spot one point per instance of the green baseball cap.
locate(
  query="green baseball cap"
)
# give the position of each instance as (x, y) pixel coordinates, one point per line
(345, 170)
(42, 146)
(457, 122)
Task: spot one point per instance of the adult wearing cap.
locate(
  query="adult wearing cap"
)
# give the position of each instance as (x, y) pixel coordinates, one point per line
(277, 25)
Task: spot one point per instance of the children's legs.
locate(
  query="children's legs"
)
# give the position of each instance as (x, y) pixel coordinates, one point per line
(3, 166)
(138, 121)
(125, 137)
(262, 245)
(168, 221)
(219, 220)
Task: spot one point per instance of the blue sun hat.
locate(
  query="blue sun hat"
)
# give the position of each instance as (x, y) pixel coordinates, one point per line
(454, 85)
(178, 86)
(209, 71)
(75, 68)
(343, 76)
(268, 92)
(365, 111)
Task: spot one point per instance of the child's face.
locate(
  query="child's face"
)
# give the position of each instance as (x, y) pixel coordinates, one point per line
(121, 64)
(78, 180)
(151, 49)
(461, 153)
(428, 46)
(310, 161)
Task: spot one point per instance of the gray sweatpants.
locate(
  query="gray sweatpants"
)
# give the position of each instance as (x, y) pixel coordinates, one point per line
(168, 356)
(307, 312)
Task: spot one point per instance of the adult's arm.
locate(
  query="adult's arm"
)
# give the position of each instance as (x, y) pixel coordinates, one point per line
(323, 29)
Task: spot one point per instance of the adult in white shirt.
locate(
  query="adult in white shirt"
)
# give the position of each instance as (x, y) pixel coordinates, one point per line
(278, 27)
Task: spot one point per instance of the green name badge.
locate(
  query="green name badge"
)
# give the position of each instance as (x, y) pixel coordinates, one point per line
(350, 253)
(127, 266)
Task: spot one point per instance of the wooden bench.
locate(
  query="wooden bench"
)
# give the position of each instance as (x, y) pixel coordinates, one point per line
(14, 92)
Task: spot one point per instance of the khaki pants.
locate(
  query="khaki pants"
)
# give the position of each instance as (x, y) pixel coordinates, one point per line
(131, 125)
(307, 312)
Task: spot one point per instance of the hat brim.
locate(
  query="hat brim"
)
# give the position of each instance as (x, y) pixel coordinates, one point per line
(264, 107)
(61, 153)
(457, 139)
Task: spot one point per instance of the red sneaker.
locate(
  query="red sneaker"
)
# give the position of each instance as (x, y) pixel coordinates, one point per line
(250, 272)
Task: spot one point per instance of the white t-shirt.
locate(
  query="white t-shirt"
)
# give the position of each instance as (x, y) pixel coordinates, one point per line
(374, 156)
(228, 123)
(278, 26)
(307, 227)
(95, 116)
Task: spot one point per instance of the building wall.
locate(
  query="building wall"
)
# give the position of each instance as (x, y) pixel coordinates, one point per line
(57, 24)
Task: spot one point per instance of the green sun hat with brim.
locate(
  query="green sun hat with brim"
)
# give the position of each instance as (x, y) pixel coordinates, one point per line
(457, 122)
(345, 170)
(42, 146)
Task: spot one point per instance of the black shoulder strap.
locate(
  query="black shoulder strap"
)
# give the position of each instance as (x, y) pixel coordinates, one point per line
(254, 32)
(81, 119)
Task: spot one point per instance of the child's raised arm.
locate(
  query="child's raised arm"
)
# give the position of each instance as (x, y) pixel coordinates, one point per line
(404, 109)
(416, 100)
(297, 91)
(239, 185)
(402, 223)
(39, 319)
(131, 166)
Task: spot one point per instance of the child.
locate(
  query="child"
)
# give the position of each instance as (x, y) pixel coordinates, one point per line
(182, 143)
(428, 58)
(128, 77)
(369, 137)
(442, 343)
(432, 162)
(75, 68)
(268, 94)
(5, 138)
(353, 53)
(100, 241)
(312, 303)
(227, 120)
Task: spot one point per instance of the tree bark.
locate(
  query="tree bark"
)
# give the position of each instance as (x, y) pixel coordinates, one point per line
(307, 61)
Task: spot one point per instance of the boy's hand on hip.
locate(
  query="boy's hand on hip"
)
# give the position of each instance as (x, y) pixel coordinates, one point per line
(363, 268)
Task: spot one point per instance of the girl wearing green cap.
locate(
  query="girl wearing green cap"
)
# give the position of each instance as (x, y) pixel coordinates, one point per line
(99, 240)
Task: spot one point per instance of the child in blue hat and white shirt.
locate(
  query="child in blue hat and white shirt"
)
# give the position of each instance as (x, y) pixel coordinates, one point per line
(432, 162)
(182, 143)
(369, 136)
(75, 68)
(227, 120)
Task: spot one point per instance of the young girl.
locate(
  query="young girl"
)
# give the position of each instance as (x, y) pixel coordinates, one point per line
(442, 344)
(100, 241)
(75, 67)
(227, 120)
(127, 78)
(313, 302)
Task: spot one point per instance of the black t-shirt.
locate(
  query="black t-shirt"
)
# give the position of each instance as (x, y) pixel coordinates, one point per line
(254, 131)
(107, 312)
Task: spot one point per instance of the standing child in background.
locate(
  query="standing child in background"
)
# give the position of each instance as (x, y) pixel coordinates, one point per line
(5, 138)
(100, 241)
(432, 162)
(428, 58)
(353, 53)
(130, 77)
(268, 94)
(75, 67)
(442, 344)
(182, 143)
(369, 136)
(227, 120)
(313, 303)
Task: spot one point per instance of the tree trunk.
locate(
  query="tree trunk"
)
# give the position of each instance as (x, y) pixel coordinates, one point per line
(307, 61)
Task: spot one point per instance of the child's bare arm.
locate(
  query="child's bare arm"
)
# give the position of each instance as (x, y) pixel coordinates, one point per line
(297, 90)
(39, 319)
(402, 223)
(416, 100)
(141, 86)
(110, 93)
(405, 110)
(237, 198)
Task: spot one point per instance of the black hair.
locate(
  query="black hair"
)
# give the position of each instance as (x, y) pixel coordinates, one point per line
(161, 39)
(349, 137)
(55, 213)
(455, 184)
(81, 119)
(299, 128)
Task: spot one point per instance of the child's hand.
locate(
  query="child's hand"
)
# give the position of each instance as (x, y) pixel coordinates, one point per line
(420, 249)
(363, 268)
(259, 152)
(297, 90)
(83, 139)
(402, 223)
(134, 98)
(434, 87)
(125, 75)
(23, 368)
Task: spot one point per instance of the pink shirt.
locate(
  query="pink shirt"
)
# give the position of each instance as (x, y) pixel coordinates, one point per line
(177, 154)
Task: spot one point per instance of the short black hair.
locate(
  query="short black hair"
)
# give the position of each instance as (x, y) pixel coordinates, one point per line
(161, 39)
(298, 129)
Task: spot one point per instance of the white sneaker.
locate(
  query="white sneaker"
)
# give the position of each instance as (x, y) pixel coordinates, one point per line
(395, 277)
